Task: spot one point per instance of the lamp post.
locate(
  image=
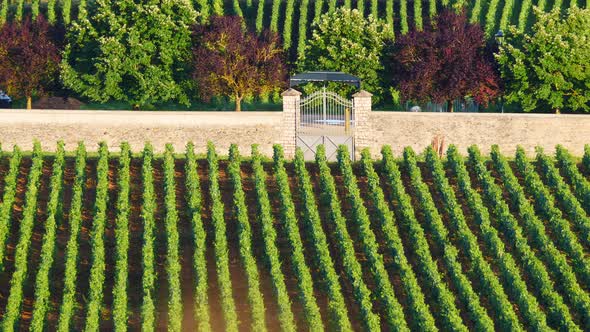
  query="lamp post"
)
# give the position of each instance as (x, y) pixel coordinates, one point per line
(499, 36)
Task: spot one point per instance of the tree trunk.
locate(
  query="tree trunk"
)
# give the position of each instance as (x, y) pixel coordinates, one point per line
(29, 102)
(451, 108)
(239, 103)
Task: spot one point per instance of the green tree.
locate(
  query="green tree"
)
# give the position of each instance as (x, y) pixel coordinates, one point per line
(140, 55)
(549, 69)
(346, 41)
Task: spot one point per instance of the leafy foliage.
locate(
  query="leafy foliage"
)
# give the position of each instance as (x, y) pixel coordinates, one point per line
(503, 310)
(8, 198)
(312, 311)
(28, 58)
(68, 303)
(172, 243)
(444, 62)
(347, 41)
(54, 217)
(557, 310)
(122, 240)
(97, 270)
(255, 298)
(199, 259)
(220, 243)
(549, 69)
(269, 236)
(148, 250)
(21, 256)
(352, 266)
(139, 55)
(311, 217)
(232, 61)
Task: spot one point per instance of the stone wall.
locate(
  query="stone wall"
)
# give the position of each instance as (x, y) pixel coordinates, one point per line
(417, 130)
(223, 128)
(267, 128)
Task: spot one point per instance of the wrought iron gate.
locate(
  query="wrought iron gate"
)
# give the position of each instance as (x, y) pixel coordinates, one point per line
(325, 118)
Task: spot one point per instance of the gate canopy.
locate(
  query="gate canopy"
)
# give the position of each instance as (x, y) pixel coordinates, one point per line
(324, 76)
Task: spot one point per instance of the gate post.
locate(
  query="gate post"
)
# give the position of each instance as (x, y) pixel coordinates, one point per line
(291, 100)
(362, 125)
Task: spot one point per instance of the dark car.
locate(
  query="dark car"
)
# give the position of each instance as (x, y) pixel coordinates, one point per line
(5, 100)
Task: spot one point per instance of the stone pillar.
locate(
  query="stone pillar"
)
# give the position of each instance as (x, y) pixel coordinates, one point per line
(362, 125)
(291, 100)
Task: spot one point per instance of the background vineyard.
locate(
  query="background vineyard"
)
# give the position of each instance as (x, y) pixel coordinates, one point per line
(179, 241)
(292, 18)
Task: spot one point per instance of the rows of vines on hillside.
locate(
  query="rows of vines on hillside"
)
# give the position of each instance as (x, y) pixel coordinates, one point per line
(419, 242)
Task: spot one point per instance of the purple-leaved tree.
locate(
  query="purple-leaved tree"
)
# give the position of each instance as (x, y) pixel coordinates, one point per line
(29, 59)
(444, 62)
(229, 60)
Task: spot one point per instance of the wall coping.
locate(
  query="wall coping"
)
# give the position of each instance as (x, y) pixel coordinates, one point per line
(139, 118)
(482, 115)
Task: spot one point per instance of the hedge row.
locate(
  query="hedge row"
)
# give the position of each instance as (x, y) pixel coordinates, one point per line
(8, 200)
(313, 224)
(97, 270)
(504, 311)
(352, 267)
(579, 183)
(515, 285)
(565, 198)
(558, 312)
(240, 209)
(445, 299)
(269, 236)
(54, 216)
(392, 310)
(421, 314)
(560, 227)
(172, 243)
(289, 219)
(194, 199)
(220, 243)
(21, 256)
(148, 209)
(68, 303)
(122, 240)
